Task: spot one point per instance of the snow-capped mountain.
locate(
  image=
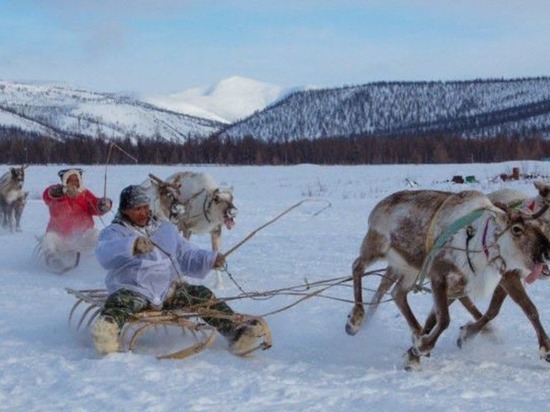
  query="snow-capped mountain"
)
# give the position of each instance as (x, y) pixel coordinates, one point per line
(60, 111)
(462, 108)
(227, 101)
(475, 108)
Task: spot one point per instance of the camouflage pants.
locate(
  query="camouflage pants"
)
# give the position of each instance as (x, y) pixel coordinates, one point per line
(123, 303)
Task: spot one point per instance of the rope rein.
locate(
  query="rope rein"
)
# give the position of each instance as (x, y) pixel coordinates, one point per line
(303, 291)
(299, 290)
(254, 232)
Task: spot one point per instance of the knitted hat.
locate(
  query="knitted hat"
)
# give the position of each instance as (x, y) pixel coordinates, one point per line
(133, 196)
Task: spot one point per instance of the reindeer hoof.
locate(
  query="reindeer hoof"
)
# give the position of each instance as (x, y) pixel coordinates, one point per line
(462, 336)
(355, 318)
(544, 354)
(412, 361)
(351, 330)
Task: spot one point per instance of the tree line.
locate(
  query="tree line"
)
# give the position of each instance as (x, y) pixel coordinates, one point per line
(18, 147)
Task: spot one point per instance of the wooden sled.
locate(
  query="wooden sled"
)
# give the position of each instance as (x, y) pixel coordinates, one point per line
(66, 263)
(91, 303)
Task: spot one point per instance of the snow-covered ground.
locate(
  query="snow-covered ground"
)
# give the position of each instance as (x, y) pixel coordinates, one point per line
(313, 365)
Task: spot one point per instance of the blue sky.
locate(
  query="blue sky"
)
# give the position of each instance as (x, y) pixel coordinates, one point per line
(167, 46)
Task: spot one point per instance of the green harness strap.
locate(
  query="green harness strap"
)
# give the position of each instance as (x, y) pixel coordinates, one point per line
(443, 238)
(515, 204)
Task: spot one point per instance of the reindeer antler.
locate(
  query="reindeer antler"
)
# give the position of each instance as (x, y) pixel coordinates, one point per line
(538, 213)
(162, 183)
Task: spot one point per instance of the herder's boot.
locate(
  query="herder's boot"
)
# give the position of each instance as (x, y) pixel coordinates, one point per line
(105, 335)
(244, 338)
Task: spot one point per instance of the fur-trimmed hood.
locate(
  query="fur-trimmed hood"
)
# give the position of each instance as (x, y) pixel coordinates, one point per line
(65, 173)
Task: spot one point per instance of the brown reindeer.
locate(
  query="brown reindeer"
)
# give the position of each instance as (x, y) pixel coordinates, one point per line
(12, 197)
(510, 199)
(462, 244)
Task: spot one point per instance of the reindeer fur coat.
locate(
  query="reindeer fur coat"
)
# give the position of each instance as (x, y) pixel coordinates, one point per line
(151, 274)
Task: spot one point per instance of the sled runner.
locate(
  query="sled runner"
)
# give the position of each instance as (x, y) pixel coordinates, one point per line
(59, 263)
(91, 302)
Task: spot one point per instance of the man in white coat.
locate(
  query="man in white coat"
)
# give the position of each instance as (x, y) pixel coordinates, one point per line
(146, 261)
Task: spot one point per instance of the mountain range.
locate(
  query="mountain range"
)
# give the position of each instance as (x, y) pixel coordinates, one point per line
(476, 108)
(237, 107)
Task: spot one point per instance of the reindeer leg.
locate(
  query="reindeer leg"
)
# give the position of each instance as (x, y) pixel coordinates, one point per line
(425, 343)
(511, 282)
(412, 357)
(216, 236)
(5, 217)
(355, 318)
(470, 307)
(473, 328)
(476, 314)
(399, 294)
(184, 229)
(432, 319)
(374, 247)
(388, 280)
(18, 221)
(9, 215)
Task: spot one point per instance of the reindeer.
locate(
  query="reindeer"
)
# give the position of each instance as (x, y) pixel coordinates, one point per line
(463, 245)
(504, 198)
(195, 203)
(12, 197)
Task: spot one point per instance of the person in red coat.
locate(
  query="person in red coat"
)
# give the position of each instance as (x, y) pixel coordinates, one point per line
(70, 230)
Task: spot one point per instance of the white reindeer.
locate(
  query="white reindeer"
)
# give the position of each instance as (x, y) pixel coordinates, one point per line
(207, 207)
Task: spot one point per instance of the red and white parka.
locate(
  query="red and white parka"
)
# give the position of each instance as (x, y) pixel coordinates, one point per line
(71, 216)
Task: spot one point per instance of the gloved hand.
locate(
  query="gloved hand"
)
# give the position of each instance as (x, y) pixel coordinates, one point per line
(219, 263)
(56, 191)
(142, 245)
(70, 191)
(104, 204)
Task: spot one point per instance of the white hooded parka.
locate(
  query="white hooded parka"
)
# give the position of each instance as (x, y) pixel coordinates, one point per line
(149, 274)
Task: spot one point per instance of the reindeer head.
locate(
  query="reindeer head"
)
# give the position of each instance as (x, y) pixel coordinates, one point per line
(523, 245)
(168, 197)
(222, 205)
(18, 176)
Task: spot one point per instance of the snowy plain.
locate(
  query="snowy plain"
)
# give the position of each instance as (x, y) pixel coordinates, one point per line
(313, 364)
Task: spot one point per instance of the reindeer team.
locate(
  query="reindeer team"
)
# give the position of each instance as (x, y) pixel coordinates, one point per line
(462, 245)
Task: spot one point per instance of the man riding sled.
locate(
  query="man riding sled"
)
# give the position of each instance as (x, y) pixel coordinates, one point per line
(147, 260)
